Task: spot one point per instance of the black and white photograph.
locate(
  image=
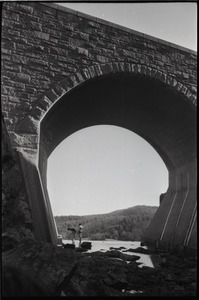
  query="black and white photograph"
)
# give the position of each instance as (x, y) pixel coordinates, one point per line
(99, 149)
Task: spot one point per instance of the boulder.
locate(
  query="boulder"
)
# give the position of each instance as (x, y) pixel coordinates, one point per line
(138, 250)
(69, 246)
(81, 249)
(43, 262)
(117, 248)
(130, 257)
(115, 281)
(113, 253)
(86, 245)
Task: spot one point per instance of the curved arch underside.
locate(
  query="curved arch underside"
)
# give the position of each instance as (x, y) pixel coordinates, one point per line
(155, 111)
(145, 106)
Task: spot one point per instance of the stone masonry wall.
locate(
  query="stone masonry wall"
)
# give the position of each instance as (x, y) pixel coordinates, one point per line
(42, 45)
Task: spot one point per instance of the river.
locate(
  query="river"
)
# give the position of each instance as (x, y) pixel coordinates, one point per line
(145, 260)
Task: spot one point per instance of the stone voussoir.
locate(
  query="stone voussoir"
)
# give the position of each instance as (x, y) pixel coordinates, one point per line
(121, 66)
(86, 73)
(66, 84)
(79, 76)
(52, 95)
(179, 86)
(107, 68)
(73, 80)
(115, 67)
(98, 70)
(92, 71)
(127, 67)
(143, 69)
(59, 89)
(45, 103)
(37, 112)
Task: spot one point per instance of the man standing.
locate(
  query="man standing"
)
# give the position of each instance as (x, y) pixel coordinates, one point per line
(80, 233)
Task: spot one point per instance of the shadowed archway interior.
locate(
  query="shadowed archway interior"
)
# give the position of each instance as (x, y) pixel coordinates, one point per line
(146, 106)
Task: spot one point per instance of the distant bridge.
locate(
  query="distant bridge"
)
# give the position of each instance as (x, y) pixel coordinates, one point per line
(63, 70)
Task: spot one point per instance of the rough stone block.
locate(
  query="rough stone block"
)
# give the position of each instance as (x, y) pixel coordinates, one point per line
(81, 36)
(13, 99)
(23, 77)
(6, 51)
(25, 106)
(53, 40)
(8, 90)
(8, 44)
(23, 140)
(101, 59)
(17, 84)
(11, 67)
(5, 57)
(35, 25)
(13, 32)
(41, 35)
(82, 51)
(59, 51)
(94, 24)
(11, 15)
(31, 126)
(35, 61)
(8, 23)
(19, 59)
(26, 9)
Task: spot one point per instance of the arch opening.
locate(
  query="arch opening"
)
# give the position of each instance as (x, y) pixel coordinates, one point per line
(145, 106)
(102, 169)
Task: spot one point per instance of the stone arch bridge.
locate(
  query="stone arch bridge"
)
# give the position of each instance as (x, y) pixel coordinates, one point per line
(63, 70)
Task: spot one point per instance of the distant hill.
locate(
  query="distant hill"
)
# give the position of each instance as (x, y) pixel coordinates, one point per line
(126, 224)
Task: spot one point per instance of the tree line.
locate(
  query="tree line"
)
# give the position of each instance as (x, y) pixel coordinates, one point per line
(126, 224)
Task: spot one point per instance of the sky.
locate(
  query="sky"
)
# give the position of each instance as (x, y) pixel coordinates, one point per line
(173, 22)
(105, 168)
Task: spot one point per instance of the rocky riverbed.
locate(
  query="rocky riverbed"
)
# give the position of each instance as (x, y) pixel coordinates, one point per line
(114, 273)
(41, 269)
